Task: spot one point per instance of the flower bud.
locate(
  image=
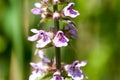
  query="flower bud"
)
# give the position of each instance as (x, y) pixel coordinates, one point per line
(56, 15)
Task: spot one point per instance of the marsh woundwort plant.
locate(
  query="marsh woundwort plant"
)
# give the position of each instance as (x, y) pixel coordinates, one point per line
(55, 37)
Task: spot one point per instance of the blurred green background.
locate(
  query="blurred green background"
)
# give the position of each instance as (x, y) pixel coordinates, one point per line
(99, 39)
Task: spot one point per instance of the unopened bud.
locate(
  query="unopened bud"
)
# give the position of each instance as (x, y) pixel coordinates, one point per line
(56, 15)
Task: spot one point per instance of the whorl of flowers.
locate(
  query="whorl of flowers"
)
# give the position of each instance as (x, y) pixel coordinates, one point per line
(55, 37)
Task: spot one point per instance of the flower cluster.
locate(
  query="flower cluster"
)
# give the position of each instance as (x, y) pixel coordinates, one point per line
(44, 38)
(45, 65)
(43, 10)
(40, 68)
(55, 37)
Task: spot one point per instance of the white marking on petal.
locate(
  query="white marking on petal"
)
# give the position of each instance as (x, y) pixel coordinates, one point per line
(34, 30)
(83, 63)
(34, 65)
(66, 67)
(41, 43)
(57, 73)
(41, 54)
(38, 5)
(33, 38)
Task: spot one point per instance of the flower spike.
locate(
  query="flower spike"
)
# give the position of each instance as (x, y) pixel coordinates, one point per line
(58, 36)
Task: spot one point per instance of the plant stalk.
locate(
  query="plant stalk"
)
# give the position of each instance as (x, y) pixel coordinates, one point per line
(57, 50)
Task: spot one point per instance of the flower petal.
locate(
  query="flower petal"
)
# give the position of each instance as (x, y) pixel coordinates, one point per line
(42, 56)
(33, 38)
(34, 76)
(74, 70)
(68, 11)
(34, 65)
(34, 30)
(36, 11)
(83, 63)
(38, 5)
(43, 41)
(57, 76)
(60, 40)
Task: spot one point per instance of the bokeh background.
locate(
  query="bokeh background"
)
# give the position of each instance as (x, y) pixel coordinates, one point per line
(98, 42)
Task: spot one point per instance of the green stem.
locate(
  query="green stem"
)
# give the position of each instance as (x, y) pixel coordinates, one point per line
(57, 50)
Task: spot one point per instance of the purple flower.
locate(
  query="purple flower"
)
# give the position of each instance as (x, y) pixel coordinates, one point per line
(68, 11)
(39, 72)
(60, 40)
(43, 41)
(36, 36)
(38, 9)
(35, 76)
(39, 67)
(71, 31)
(42, 37)
(74, 70)
(43, 57)
(57, 76)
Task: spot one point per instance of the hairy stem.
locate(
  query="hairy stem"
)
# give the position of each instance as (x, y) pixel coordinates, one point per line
(57, 50)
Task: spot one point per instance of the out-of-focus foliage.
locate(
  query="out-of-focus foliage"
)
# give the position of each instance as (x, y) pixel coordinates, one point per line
(99, 38)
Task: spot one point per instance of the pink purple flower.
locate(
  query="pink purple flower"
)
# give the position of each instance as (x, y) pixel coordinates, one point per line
(74, 70)
(36, 36)
(39, 67)
(38, 9)
(39, 72)
(42, 37)
(44, 59)
(68, 11)
(71, 31)
(57, 76)
(60, 39)
(43, 41)
(35, 76)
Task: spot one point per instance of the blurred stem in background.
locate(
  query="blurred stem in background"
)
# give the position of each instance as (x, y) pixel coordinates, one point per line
(13, 28)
